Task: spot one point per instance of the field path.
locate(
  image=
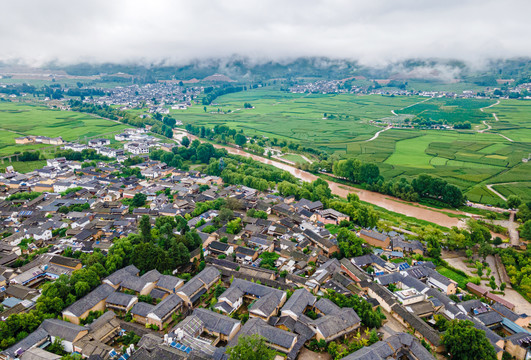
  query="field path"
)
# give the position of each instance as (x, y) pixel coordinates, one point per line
(487, 125)
(509, 224)
(490, 187)
(378, 134)
(491, 105)
(405, 107)
(505, 137)
(485, 121)
(490, 127)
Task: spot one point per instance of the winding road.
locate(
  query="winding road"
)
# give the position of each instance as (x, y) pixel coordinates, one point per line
(495, 118)
(487, 125)
(378, 134)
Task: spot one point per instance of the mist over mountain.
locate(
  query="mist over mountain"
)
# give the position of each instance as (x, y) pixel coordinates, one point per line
(176, 33)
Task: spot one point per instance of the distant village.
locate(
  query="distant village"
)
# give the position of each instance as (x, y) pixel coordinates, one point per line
(392, 87)
(199, 316)
(155, 96)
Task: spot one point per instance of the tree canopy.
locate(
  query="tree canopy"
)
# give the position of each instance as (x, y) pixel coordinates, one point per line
(464, 342)
(251, 347)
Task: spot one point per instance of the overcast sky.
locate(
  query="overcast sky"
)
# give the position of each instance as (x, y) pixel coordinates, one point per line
(38, 31)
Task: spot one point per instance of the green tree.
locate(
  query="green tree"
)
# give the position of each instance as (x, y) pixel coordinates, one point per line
(82, 288)
(225, 214)
(234, 226)
(145, 228)
(251, 347)
(525, 230)
(464, 342)
(185, 141)
(139, 200)
(349, 244)
(179, 254)
(513, 201)
(240, 139)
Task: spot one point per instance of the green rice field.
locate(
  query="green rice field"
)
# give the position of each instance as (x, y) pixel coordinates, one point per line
(22, 119)
(466, 158)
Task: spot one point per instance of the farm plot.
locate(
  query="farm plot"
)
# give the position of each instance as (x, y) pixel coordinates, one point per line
(330, 121)
(450, 110)
(521, 189)
(40, 120)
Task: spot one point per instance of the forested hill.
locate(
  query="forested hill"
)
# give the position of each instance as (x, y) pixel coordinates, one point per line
(247, 69)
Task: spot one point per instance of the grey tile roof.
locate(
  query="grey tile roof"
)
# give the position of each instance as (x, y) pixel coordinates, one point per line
(36, 337)
(367, 260)
(489, 318)
(62, 329)
(272, 334)
(166, 306)
(418, 324)
(388, 348)
(119, 298)
(520, 339)
(268, 298)
(118, 276)
(391, 278)
(151, 276)
(336, 322)
(299, 300)
(414, 283)
(505, 312)
(326, 306)
(374, 234)
(208, 275)
(142, 309)
(90, 300)
(133, 282)
(216, 322)
(168, 282)
(158, 293)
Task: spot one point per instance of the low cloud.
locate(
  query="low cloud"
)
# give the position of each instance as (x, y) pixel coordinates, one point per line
(172, 31)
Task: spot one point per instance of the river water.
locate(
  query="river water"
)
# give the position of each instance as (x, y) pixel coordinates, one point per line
(385, 201)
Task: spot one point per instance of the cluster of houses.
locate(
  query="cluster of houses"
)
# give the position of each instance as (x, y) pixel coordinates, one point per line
(152, 95)
(233, 296)
(32, 139)
(137, 142)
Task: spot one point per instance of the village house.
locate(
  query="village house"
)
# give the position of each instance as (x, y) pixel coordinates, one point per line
(375, 238)
(198, 285)
(93, 301)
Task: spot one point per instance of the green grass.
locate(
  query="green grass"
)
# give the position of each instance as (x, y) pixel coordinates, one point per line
(450, 274)
(23, 167)
(294, 157)
(25, 119)
(450, 110)
(299, 117)
(40, 120)
(522, 190)
(466, 158)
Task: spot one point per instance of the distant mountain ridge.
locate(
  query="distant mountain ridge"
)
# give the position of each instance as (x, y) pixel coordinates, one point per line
(242, 69)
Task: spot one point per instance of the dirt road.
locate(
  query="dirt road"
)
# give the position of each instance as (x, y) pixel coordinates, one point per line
(511, 295)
